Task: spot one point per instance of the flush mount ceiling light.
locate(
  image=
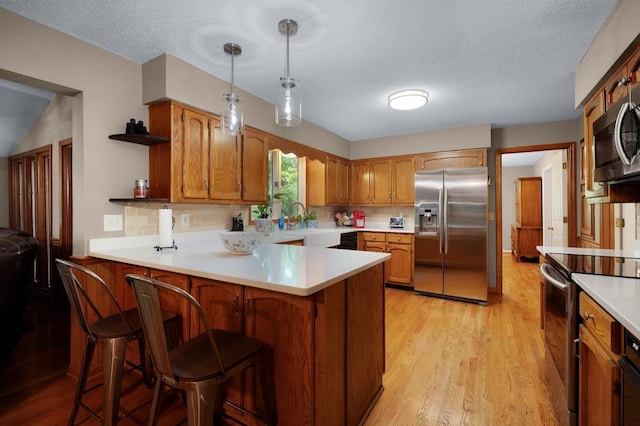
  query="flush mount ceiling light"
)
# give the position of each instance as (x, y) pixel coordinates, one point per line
(405, 100)
(288, 103)
(231, 119)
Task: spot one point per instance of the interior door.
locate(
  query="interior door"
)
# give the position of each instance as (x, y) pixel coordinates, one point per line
(558, 200)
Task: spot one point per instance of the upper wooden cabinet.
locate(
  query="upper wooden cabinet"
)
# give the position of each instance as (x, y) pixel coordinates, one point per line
(462, 159)
(255, 166)
(200, 163)
(336, 180)
(382, 181)
(528, 201)
(593, 110)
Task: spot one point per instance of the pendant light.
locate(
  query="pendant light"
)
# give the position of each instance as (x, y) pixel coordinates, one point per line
(231, 119)
(288, 104)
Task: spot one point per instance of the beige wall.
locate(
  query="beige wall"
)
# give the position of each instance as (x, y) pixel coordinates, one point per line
(107, 90)
(440, 140)
(53, 125)
(169, 77)
(4, 192)
(618, 32)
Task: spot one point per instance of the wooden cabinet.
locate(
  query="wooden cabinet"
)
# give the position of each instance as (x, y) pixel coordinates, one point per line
(465, 158)
(599, 373)
(402, 177)
(399, 269)
(360, 182)
(336, 180)
(593, 110)
(382, 181)
(526, 233)
(200, 164)
(255, 166)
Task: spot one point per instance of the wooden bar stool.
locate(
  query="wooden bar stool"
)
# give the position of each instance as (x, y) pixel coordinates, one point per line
(200, 365)
(112, 330)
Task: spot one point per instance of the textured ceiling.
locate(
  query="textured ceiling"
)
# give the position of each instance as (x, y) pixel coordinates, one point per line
(502, 62)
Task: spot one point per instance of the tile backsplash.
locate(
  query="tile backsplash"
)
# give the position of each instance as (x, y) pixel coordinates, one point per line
(142, 218)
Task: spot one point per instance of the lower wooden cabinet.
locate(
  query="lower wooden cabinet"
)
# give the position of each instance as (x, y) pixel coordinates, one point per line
(327, 350)
(599, 373)
(399, 269)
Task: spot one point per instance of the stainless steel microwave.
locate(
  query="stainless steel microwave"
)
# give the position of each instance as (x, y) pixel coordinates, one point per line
(616, 140)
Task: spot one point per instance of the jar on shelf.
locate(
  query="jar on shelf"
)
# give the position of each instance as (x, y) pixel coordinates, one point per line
(141, 189)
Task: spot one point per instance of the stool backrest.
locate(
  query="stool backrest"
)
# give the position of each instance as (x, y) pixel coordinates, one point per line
(148, 300)
(95, 289)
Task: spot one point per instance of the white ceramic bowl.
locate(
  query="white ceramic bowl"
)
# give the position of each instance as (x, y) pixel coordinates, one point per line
(240, 242)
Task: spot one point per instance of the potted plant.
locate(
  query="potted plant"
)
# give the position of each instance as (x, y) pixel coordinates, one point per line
(311, 219)
(263, 218)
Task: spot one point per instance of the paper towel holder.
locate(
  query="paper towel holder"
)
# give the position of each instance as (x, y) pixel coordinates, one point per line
(173, 241)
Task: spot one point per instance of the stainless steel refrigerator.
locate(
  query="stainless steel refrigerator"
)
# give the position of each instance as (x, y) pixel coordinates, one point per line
(451, 244)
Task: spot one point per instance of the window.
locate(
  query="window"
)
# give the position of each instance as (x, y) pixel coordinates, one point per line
(286, 180)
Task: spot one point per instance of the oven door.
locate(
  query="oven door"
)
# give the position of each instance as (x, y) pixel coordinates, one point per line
(561, 333)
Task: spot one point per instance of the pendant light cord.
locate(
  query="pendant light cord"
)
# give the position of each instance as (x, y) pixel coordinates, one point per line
(287, 49)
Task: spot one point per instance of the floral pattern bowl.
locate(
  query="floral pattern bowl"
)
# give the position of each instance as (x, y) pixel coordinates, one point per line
(240, 242)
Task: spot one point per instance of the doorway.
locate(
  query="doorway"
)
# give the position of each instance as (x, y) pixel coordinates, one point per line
(569, 190)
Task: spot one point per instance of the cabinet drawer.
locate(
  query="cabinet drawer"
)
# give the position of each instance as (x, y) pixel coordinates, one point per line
(400, 238)
(607, 330)
(374, 236)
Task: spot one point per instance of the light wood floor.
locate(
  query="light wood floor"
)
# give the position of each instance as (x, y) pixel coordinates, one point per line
(464, 364)
(448, 362)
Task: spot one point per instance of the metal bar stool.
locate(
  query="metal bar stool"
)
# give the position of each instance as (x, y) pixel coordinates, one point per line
(112, 330)
(200, 365)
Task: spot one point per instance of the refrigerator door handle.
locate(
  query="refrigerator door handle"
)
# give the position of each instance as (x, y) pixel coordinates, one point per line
(445, 222)
(439, 219)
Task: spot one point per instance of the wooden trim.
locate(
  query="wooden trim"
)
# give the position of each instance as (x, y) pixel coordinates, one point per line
(570, 148)
(66, 195)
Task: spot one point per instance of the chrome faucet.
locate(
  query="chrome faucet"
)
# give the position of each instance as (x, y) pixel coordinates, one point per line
(295, 203)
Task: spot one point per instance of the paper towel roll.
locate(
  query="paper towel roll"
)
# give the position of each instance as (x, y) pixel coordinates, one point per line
(165, 225)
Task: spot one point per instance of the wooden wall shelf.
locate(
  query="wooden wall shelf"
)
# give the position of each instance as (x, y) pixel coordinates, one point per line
(140, 139)
(138, 200)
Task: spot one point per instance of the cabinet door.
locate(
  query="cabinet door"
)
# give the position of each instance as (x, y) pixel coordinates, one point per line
(380, 187)
(331, 180)
(615, 91)
(400, 246)
(173, 302)
(290, 351)
(255, 167)
(402, 179)
(360, 181)
(316, 186)
(593, 110)
(222, 303)
(195, 155)
(599, 383)
(226, 165)
(125, 297)
(343, 181)
(466, 158)
(336, 180)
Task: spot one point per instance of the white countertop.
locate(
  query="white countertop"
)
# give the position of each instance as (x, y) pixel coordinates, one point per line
(285, 268)
(620, 297)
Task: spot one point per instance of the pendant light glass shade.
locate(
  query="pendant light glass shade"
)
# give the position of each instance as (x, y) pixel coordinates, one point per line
(288, 100)
(231, 119)
(288, 103)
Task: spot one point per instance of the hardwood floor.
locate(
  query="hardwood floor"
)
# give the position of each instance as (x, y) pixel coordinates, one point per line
(447, 362)
(457, 363)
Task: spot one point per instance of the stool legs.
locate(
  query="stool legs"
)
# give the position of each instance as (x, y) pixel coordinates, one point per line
(89, 348)
(202, 401)
(113, 351)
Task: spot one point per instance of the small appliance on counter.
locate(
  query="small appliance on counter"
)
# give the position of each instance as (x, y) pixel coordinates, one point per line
(236, 223)
(396, 222)
(358, 219)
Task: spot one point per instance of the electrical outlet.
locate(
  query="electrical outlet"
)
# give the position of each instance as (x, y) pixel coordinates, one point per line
(112, 222)
(184, 220)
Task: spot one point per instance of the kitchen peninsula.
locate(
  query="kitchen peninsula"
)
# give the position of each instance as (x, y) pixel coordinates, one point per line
(320, 311)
